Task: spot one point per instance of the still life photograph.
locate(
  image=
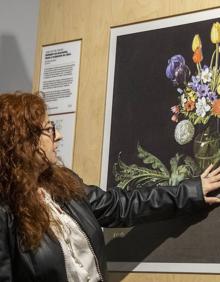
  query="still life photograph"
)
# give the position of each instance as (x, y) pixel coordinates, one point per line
(196, 115)
(162, 126)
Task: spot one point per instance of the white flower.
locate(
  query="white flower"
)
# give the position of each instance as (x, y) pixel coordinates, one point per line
(183, 100)
(206, 75)
(184, 132)
(179, 90)
(202, 107)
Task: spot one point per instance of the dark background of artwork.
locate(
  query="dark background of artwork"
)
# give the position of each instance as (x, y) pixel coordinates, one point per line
(142, 98)
(143, 95)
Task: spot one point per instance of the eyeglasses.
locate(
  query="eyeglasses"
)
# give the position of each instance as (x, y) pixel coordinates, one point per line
(50, 131)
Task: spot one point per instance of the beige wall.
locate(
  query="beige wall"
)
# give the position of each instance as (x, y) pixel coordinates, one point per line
(91, 20)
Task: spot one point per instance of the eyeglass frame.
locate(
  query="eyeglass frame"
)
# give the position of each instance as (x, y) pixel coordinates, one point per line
(53, 127)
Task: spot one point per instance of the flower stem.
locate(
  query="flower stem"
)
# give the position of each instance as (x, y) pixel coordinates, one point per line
(216, 64)
(213, 55)
(197, 65)
(216, 57)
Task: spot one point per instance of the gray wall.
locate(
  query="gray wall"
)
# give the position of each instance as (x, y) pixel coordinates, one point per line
(18, 32)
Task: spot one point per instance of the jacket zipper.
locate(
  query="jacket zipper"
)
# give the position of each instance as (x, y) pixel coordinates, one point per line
(63, 259)
(91, 249)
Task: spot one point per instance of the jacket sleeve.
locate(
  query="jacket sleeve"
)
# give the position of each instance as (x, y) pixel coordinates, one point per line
(119, 208)
(5, 258)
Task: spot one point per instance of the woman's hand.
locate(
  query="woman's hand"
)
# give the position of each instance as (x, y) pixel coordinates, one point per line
(210, 182)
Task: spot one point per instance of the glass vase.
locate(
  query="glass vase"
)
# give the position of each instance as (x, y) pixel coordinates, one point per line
(206, 145)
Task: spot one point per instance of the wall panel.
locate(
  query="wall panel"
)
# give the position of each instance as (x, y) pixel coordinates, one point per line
(91, 20)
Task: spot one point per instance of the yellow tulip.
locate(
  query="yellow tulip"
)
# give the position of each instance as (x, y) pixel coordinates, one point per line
(196, 42)
(215, 33)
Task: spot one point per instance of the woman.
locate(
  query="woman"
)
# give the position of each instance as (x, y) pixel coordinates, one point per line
(49, 219)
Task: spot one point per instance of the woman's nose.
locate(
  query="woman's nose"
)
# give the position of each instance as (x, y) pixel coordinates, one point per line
(59, 136)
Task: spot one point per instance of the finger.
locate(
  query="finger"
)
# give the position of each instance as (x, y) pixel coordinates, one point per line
(213, 178)
(212, 200)
(207, 171)
(212, 187)
(214, 172)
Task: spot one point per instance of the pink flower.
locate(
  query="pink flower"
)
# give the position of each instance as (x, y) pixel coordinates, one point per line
(174, 118)
(175, 109)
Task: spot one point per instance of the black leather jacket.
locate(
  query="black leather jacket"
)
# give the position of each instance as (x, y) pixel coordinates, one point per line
(113, 208)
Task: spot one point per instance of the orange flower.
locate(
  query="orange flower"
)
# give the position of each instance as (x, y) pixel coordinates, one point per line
(216, 108)
(197, 56)
(189, 105)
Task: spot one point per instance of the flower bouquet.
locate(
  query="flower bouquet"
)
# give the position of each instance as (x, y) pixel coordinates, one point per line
(199, 100)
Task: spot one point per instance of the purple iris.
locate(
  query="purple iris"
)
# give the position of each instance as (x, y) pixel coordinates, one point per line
(177, 70)
(194, 84)
(205, 67)
(212, 96)
(203, 90)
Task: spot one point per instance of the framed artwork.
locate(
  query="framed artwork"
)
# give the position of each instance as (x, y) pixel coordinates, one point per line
(140, 138)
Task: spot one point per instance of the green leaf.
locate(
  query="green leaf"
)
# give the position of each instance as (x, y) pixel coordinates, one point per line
(198, 120)
(182, 168)
(206, 119)
(127, 175)
(174, 162)
(133, 176)
(150, 159)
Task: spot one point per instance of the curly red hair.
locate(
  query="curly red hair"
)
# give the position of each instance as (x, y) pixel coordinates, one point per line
(21, 118)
